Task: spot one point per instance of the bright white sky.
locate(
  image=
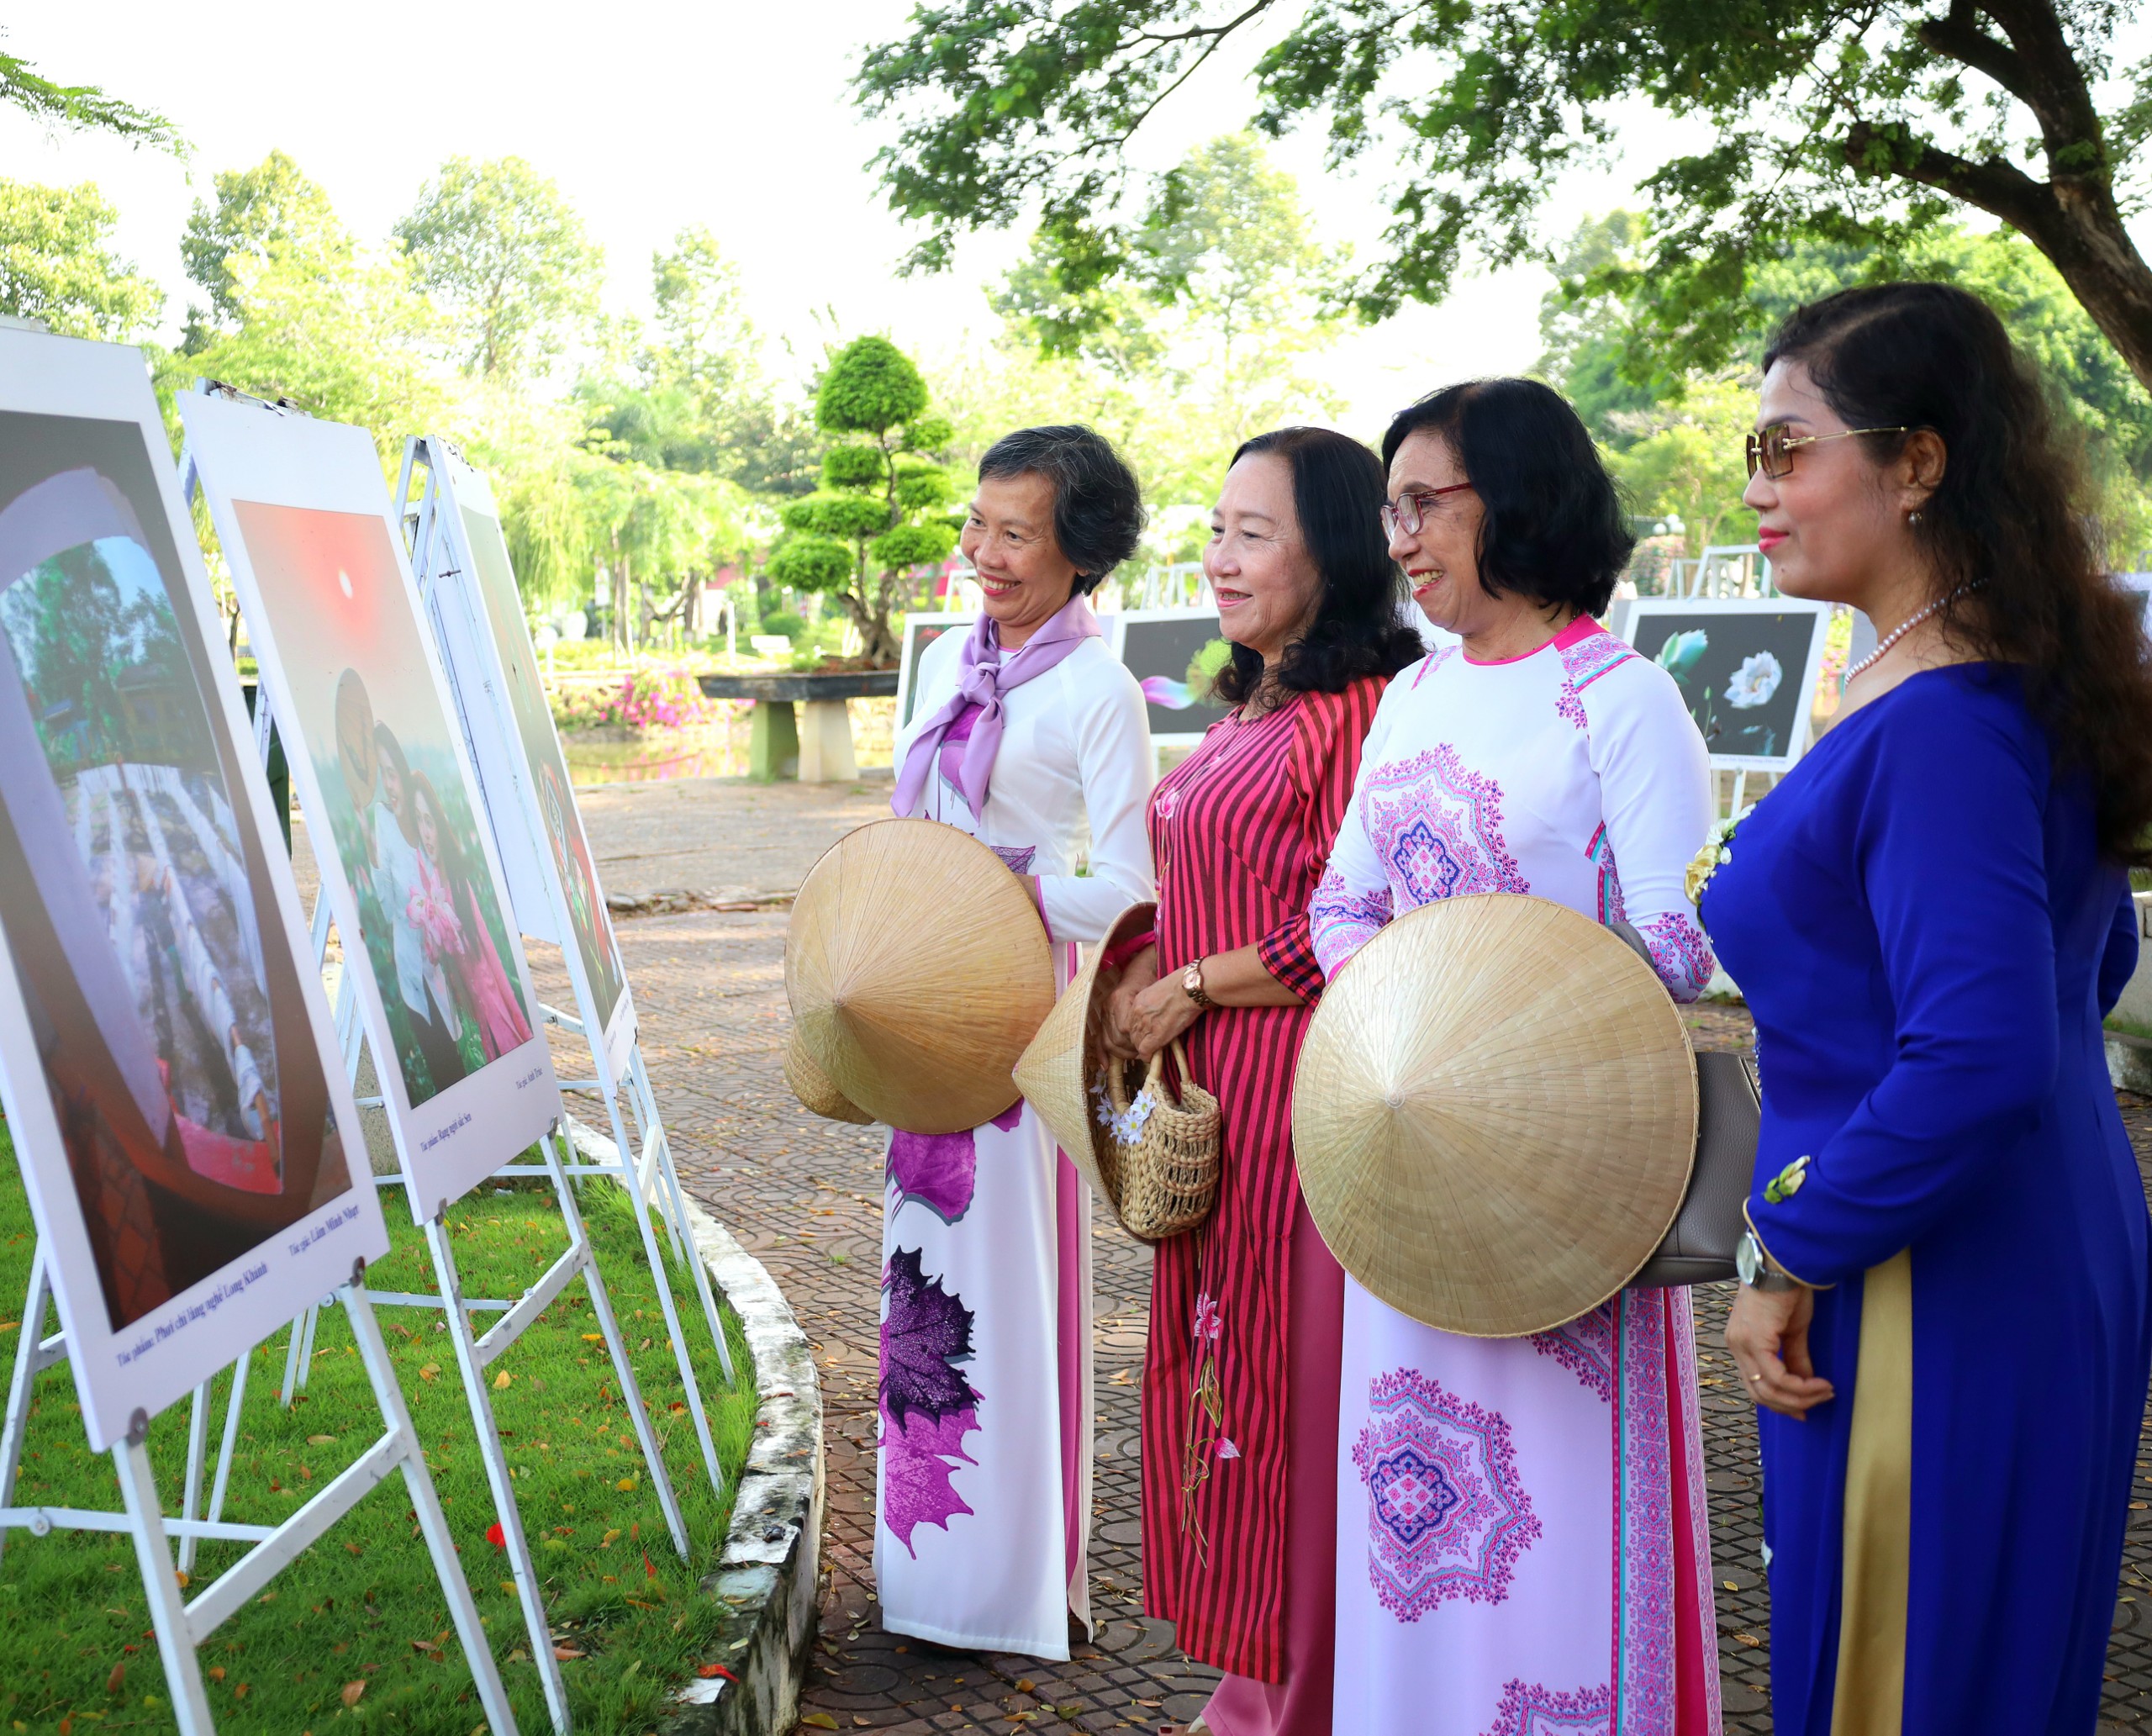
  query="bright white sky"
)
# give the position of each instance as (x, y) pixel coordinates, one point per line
(652, 115)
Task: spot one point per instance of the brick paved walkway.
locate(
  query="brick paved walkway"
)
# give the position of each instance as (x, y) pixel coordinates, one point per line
(805, 1196)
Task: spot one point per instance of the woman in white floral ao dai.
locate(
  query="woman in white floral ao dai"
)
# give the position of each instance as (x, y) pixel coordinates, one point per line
(1520, 1546)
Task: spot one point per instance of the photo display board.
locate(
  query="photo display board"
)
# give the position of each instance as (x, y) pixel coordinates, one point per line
(1747, 668)
(552, 877)
(920, 631)
(1174, 654)
(390, 807)
(167, 1060)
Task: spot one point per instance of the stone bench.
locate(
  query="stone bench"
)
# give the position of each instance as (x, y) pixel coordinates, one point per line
(814, 746)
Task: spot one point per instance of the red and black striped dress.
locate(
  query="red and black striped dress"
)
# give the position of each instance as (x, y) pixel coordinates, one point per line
(1241, 830)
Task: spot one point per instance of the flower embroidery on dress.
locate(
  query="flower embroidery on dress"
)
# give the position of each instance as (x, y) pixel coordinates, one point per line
(1529, 1710)
(1447, 1516)
(1584, 1346)
(1433, 661)
(1591, 656)
(1207, 1323)
(1437, 827)
(1340, 921)
(1166, 800)
(1600, 852)
(1680, 953)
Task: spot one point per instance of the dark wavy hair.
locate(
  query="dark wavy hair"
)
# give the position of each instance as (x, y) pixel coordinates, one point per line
(1554, 528)
(2010, 516)
(1098, 509)
(1358, 630)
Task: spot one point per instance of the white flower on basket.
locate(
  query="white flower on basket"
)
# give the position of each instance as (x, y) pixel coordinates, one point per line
(1754, 682)
(1126, 1127)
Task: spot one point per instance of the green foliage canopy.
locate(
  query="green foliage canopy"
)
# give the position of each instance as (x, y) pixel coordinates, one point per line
(1859, 125)
(271, 202)
(82, 106)
(504, 256)
(56, 265)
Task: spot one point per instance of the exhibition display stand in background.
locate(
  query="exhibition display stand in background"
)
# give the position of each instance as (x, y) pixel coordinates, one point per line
(188, 1176)
(461, 562)
(352, 677)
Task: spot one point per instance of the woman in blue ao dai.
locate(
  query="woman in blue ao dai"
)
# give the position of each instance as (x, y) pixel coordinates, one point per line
(1027, 731)
(1947, 1317)
(1521, 1543)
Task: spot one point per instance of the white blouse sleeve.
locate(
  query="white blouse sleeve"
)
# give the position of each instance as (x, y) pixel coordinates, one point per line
(1352, 901)
(1655, 799)
(1115, 762)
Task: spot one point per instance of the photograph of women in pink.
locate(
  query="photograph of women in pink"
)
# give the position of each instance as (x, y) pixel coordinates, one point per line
(371, 720)
(445, 909)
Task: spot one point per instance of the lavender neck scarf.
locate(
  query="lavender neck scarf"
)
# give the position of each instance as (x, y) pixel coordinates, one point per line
(966, 733)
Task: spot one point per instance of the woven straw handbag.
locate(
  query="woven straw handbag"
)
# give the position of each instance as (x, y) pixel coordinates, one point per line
(1162, 1154)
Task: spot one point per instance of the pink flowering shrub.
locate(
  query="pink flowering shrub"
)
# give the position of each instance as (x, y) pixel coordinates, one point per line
(647, 697)
(654, 698)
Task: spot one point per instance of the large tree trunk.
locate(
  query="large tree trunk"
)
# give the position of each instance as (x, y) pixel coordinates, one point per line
(2071, 217)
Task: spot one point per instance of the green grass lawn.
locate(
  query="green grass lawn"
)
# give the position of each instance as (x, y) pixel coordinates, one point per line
(355, 1634)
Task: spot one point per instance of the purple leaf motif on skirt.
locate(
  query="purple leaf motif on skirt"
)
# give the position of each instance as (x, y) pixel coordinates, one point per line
(926, 1332)
(937, 1169)
(918, 1486)
(1017, 857)
(927, 1406)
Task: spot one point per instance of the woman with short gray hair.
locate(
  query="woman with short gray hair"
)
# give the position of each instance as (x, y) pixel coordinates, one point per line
(1027, 730)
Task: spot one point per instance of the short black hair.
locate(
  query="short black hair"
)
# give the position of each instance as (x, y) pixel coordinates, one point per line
(1098, 509)
(1554, 528)
(1359, 627)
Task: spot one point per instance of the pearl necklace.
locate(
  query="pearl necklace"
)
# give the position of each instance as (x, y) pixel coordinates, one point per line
(1904, 627)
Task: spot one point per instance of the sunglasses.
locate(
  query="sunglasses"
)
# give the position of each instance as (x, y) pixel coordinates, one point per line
(1771, 451)
(1408, 512)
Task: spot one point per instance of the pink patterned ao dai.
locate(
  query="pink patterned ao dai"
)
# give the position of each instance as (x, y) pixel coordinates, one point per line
(1521, 1542)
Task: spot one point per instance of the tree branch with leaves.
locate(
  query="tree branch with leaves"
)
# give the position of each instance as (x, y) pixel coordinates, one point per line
(1868, 122)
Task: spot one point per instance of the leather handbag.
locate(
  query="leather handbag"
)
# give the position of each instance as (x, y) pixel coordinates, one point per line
(1699, 1247)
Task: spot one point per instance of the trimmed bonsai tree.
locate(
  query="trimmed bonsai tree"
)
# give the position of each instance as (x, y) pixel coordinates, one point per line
(882, 509)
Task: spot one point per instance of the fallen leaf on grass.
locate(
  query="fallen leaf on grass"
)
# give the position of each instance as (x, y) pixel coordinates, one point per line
(215, 1672)
(503, 1381)
(610, 1537)
(566, 1653)
(495, 1536)
(594, 1337)
(117, 1680)
(239, 1693)
(319, 1440)
(428, 1371)
(352, 1690)
(429, 1647)
(709, 1671)
(625, 1485)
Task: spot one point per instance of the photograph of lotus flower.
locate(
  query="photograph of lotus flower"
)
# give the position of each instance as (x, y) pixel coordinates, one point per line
(1743, 673)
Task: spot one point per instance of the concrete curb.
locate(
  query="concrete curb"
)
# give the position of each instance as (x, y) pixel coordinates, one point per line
(767, 1579)
(769, 1576)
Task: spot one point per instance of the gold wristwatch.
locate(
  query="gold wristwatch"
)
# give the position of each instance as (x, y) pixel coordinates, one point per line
(1191, 982)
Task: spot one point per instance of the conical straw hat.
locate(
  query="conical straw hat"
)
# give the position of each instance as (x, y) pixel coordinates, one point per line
(812, 1087)
(917, 968)
(1057, 1071)
(1495, 1115)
